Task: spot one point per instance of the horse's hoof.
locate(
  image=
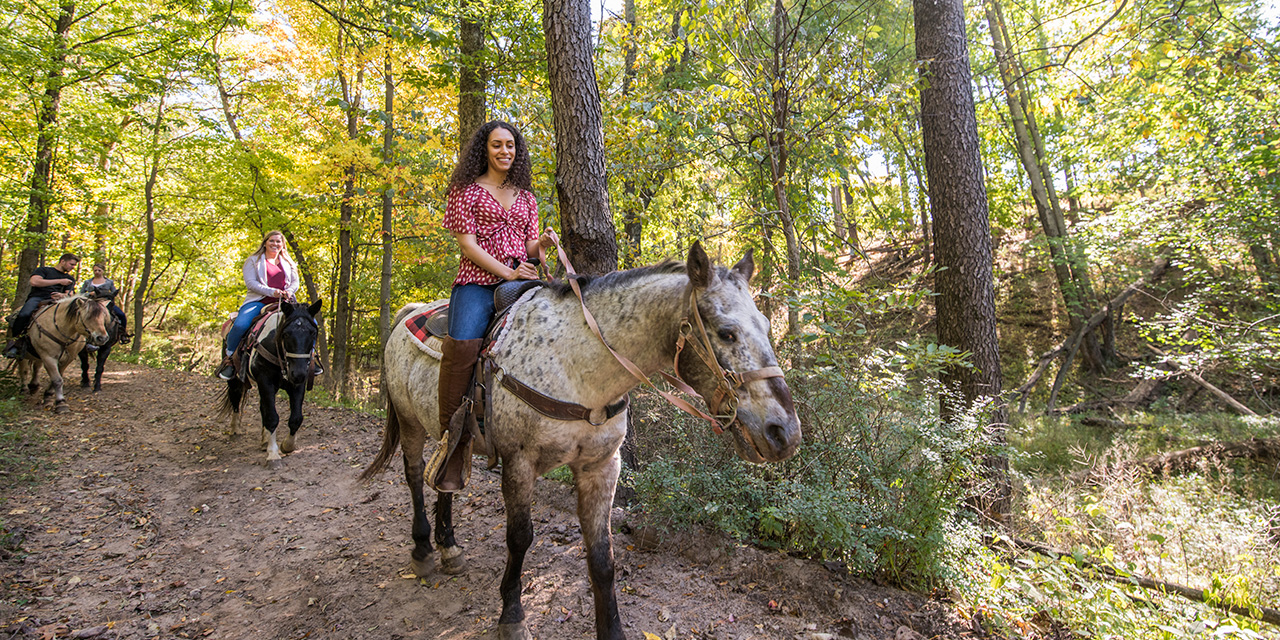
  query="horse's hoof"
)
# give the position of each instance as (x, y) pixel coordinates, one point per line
(515, 631)
(421, 568)
(287, 446)
(97, 388)
(61, 407)
(84, 384)
(452, 561)
(275, 465)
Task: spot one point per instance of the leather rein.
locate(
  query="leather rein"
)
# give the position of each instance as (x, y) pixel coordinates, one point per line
(724, 403)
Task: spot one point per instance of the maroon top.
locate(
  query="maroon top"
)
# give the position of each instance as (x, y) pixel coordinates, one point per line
(276, 279)
(502, 233)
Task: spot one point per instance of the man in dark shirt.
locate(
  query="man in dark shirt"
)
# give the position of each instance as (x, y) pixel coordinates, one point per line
(47, 283)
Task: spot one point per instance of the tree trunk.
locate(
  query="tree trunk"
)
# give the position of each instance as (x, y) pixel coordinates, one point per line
(41, 196)
(140, 294)
(966, 312)
(586, 224)
(632, 223)
(779, 157)
(342, 318)
(473, 77)
(388, 208)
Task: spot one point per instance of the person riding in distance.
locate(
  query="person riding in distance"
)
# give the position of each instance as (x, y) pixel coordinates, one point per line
(102, 287)
(271, 276)
(47, 283)
(493, 215)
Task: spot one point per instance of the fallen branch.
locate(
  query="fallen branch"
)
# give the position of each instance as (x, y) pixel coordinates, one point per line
(1098, 318)
(1265, 614)
(1140, 395)
(1175, 461)
(1221, 395)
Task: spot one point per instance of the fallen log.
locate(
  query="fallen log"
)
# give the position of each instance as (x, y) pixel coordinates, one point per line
(1098, 318)
(1226, 399)
(1072, 344)
(1265, 614)
(1177, 461)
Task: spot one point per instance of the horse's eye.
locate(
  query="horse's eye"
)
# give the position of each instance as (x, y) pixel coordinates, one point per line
(727, 335)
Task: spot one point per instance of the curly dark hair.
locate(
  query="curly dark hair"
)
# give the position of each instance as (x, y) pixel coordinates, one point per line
(474, 161)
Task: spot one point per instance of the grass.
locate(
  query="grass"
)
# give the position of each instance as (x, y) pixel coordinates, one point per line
(23, 456)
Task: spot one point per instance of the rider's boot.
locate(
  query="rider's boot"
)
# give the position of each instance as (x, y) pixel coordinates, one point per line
(450, 464)
(17, 347)
(227, 370)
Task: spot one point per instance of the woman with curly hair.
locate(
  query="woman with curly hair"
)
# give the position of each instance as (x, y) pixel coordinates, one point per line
(493, 215)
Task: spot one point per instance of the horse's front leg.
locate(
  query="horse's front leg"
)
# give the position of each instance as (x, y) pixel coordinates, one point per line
(84, 368)
(296, 394)
(235, 397)
(103, 354)
(270, 420)
(517, 496)
(595, 484)
(54, 391)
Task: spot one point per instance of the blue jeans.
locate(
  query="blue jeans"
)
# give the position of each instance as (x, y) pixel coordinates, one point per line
(248, 313)
(470, 310)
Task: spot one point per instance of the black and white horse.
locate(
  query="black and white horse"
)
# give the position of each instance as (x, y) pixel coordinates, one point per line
(280, 358)
(103, 352)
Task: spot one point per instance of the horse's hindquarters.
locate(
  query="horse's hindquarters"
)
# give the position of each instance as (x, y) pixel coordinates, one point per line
(412, 379)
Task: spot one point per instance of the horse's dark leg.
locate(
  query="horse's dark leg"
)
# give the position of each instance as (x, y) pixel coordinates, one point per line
(270, 420)
(517, 496)
(596, 484)
(296, 394)
(103, 354)
(452, 561)
(412, 440)
(84, 368)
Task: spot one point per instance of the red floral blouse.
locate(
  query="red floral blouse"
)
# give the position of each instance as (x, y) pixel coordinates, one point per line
(502, 233)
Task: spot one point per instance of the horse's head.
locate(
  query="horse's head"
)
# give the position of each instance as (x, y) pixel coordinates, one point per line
(750, 393)
(92, 315)
(298, 330)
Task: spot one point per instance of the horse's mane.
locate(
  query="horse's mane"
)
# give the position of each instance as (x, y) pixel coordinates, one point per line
(616, 279)
(94, 310)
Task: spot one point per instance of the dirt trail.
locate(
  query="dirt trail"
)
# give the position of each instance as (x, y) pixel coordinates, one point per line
(155, 524)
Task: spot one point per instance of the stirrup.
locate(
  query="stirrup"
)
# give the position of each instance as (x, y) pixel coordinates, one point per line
(438, 465)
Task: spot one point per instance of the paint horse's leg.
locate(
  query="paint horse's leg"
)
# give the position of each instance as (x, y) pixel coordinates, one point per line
(412, 441)
(53, 393)
(296, 394)
(596, 484)
(84, 368)
(452, 561)
(235, 397)
(517, 495)
(270, 420)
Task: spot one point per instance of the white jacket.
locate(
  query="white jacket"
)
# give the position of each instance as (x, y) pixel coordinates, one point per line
(255, 277)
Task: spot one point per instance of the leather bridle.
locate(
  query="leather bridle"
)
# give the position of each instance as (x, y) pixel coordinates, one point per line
(693, 334)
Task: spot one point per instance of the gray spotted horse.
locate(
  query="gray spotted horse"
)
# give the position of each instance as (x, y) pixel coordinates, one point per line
(696, 317)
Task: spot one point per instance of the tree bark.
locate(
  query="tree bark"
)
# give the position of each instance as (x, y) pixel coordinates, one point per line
(342, 318)
(140, 294)
(587, 229)
(962, 237)
(388, 209)
(41, 196)
(473, 76)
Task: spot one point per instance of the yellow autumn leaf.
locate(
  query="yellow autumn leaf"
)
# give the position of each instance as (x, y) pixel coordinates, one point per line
(650, 636)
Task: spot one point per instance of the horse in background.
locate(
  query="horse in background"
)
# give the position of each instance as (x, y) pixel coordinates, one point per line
(103, 352)
(648, 315)
(57, 334)
(281, 357)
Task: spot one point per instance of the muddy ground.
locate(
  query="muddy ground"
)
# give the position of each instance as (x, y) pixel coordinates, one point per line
(154, 524)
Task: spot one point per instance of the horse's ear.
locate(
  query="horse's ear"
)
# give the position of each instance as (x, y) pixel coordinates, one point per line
(77, 303)
(746, 266)
(698, 267)
(286, 307)
(314, 309)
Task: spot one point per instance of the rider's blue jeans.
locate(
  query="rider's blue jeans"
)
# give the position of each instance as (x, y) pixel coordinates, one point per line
(470, 310)
(243, 321)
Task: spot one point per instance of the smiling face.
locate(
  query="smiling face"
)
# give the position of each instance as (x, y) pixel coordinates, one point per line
(274, 244)
(502, 150)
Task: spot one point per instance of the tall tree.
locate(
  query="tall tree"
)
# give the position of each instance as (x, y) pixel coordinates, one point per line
(473, 76)
(352, 96)
(966, 310)
(586, 224)
(149, 220)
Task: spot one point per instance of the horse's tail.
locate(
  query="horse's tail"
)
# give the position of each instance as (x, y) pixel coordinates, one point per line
(226, 405)
(390, 442)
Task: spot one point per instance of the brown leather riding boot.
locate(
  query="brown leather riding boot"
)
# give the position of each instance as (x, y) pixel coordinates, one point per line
(450, 465)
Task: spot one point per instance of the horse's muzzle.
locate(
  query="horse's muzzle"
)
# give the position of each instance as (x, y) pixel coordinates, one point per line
(98, 339)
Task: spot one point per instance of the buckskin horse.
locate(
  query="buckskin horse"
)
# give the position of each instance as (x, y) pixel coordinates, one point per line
(280, 357)
(695, 317)
(57, 334)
